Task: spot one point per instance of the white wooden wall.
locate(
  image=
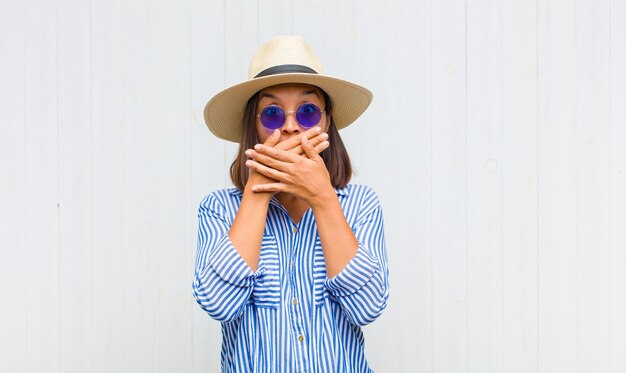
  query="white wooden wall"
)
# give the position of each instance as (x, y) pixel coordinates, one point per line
(496, 141)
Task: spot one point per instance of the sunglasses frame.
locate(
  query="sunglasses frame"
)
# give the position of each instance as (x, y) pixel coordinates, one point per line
(294, 113)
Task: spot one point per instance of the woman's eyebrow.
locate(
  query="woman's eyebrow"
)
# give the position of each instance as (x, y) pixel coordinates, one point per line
(310, 92)
(269, 95)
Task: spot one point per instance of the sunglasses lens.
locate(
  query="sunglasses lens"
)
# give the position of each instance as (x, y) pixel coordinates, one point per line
(272, 117)
(308, 115)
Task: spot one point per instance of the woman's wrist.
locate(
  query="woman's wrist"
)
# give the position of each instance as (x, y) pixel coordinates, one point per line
(324, 198)
(254, 179)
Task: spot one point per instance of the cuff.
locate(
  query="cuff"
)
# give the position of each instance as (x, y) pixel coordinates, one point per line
(354, 275)
(230, 266)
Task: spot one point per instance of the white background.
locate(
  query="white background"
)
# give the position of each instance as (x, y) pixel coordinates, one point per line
(496, 142)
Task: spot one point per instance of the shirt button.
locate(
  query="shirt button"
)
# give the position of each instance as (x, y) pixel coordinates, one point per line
(301, 338)
(295, 301)
(295, 230)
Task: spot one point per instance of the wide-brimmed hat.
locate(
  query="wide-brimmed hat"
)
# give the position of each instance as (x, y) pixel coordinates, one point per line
(283, 59)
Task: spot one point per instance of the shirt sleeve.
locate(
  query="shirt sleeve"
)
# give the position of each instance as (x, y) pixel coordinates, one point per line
(362, 286)
(223, 280)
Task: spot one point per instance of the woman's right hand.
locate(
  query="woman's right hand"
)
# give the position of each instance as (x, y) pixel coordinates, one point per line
(293, 144)
(253, 176)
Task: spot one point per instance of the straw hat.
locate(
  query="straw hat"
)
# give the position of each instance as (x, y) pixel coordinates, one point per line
(283, 59)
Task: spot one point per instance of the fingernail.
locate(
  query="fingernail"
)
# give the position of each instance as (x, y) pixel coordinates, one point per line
(257, 147)
(324, 135)
(249, 153)
(248, 163)
(326, 143)
(318, 129)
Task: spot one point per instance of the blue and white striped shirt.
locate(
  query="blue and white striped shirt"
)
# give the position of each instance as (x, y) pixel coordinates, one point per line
(288, 316)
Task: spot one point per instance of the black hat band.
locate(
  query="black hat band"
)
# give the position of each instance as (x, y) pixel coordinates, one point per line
(284, 69)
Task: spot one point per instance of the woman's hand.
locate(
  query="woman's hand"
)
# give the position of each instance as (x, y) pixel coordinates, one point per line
(255, 177)
(303, 176)
(292, 145)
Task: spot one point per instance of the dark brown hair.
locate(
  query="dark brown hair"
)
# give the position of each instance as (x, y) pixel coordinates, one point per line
(335, 156)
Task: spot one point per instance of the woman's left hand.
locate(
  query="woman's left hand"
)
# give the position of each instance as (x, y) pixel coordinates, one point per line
(304, 176)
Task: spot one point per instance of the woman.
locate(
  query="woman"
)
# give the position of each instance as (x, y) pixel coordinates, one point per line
(292, 261)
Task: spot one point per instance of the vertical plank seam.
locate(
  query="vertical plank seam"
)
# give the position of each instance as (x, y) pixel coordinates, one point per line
(224, 64)
(92, 173)
(291, 17)
(58, 182)
(467, 358)
(502, 166)
(610, 182)
(189, 240)
(25, 158)
(576, 181)
(537, 258)
(190, 200)
(123, 216)
(432, 311)
(91, 168)
(156, 347)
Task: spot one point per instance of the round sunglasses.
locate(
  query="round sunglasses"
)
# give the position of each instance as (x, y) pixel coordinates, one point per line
(307, 115)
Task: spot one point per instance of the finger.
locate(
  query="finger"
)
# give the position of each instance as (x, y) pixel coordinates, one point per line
(294, 141)
(272, 187)
(268, 161)
(322, 146)
(315, 141)
(276, 153)
(273, 139)
(309, 149)
(266, 171)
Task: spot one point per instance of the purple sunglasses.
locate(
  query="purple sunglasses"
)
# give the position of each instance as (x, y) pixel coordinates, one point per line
(307, 115)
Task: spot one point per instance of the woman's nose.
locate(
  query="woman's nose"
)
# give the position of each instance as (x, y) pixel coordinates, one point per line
(291, 125)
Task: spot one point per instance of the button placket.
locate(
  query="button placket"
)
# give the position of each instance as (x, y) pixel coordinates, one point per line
(294, 310)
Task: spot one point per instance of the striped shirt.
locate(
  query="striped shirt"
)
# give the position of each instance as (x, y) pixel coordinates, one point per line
(288, 316)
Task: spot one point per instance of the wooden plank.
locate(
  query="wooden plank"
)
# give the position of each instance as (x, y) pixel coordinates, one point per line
(449, 188)
(208, 168)
(108, 128)
(42, 209)
(241, 39)
(307, 17)
(142, 207)
(173, 177)
(411, 257)
(75, 186)
(592, 157)
(484, 186)
(13, 198)
(556, 158)
(519, 183)
(617, 199)
(275, 17)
